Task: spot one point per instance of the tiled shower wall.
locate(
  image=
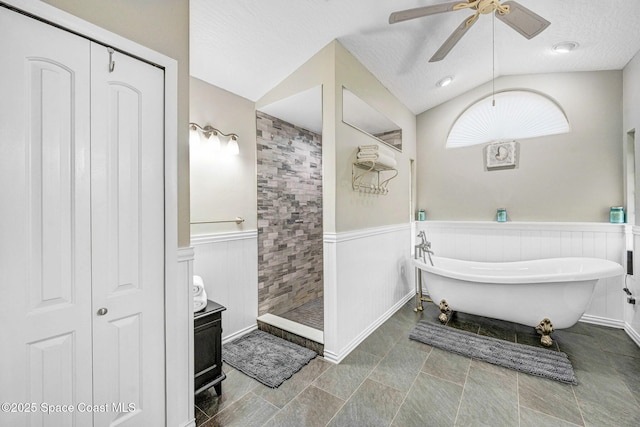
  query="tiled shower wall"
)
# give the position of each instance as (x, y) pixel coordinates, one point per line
(290, 242)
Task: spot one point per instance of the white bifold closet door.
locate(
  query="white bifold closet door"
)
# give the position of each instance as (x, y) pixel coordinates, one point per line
(127, 238)
(81, 231)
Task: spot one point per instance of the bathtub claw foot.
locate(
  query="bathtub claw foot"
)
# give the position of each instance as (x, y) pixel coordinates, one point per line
(419, 300)
(545, 328)
(445, 311)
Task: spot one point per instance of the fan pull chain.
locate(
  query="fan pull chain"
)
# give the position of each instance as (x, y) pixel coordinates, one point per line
(493, 59)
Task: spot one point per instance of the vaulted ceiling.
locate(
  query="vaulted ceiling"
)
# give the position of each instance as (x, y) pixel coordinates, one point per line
(249, 46)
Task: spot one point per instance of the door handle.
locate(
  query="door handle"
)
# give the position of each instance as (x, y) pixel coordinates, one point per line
(102, 311)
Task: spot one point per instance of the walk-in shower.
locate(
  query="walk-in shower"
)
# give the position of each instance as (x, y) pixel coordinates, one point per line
(289, 185)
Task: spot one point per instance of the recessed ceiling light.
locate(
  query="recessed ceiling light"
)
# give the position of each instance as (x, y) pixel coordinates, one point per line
(445, 81)
(565, 47)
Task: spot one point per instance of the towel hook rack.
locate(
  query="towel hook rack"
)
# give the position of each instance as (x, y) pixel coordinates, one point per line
(370, 167)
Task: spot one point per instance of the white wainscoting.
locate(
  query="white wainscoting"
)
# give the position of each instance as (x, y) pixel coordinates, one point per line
(181, 300)
(368, 273)
(228, 264)
(367, 277)
(514, 241)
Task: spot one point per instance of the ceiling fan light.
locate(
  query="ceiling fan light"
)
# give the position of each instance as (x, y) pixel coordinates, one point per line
(446, 81)
(565, 47)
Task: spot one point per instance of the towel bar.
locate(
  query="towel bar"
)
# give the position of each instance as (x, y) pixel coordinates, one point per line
(237, 220)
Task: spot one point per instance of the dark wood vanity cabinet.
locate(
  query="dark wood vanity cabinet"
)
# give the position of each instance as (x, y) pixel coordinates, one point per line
(207, 344)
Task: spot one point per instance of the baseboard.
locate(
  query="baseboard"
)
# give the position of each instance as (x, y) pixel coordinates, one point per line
(332, 357)
(632, 334)
(336, 358)
(191, 423)
(239, 333)
(602, 321)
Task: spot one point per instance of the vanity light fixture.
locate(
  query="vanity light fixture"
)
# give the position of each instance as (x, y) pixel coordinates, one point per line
(565, 47)
(446, 81)
(212, 135)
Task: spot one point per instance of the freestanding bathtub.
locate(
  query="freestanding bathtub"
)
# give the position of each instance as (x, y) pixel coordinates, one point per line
(526, 292)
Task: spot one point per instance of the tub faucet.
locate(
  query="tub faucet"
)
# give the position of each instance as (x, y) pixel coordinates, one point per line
(424, 247)
(423, 237)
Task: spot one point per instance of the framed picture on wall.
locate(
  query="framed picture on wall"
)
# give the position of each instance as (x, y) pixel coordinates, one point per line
(501, 155)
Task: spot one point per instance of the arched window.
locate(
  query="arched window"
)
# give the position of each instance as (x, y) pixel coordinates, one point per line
(517, 114)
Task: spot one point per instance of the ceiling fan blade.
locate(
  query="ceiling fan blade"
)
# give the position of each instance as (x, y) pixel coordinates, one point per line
(523, 20)
(419, 12)
(454, 38)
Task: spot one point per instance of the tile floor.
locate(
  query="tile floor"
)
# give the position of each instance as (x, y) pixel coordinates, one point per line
(389, 380)
(310, 314)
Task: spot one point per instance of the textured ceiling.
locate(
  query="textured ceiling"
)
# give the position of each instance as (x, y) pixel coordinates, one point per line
(249, 46)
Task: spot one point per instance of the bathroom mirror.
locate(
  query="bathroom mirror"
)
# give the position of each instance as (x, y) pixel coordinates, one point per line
(360, 115)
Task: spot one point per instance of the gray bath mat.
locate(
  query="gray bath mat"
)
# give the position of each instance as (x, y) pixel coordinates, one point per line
(267, 358)
(545, 363)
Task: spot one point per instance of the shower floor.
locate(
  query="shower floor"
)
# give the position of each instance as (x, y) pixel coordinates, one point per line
(310, 314)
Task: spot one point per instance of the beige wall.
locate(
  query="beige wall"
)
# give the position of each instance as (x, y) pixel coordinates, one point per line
(356, 210)
(223, 187)
(319, 70)
(161, 25)
(571, 177)
(344, 208)
(227, 192)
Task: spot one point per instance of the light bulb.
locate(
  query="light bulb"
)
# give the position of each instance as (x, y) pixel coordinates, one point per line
(232, 146)
(194, 136)
(214, 140)
(565, 47)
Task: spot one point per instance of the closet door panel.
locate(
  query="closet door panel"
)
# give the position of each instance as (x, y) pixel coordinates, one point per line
(128, 238)
(45, 249)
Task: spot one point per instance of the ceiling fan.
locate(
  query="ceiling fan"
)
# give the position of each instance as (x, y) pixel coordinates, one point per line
(518, 17)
